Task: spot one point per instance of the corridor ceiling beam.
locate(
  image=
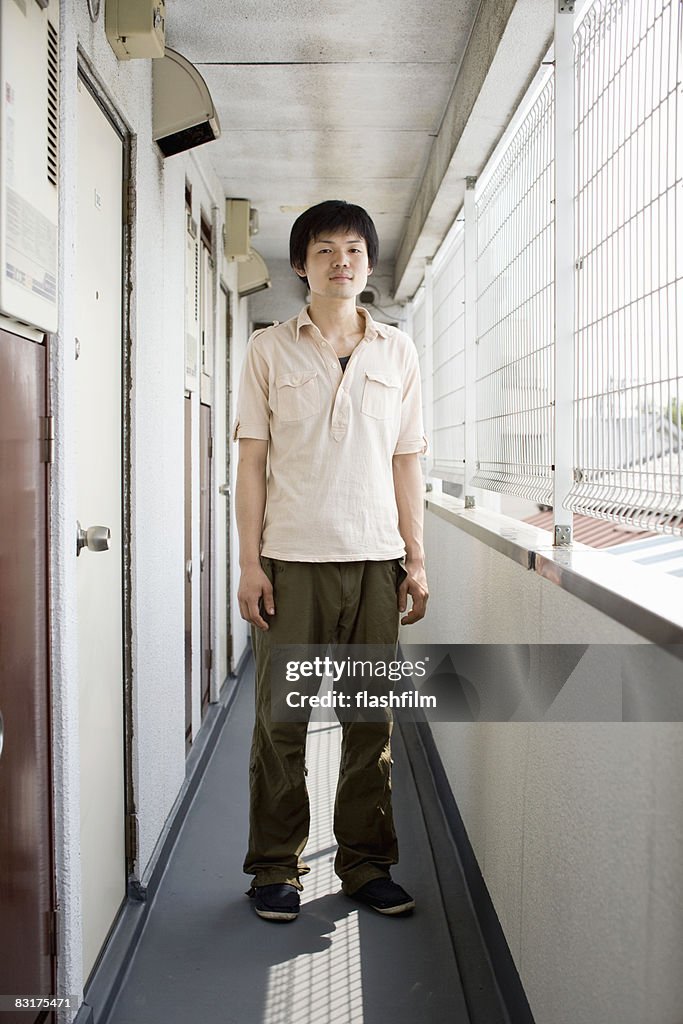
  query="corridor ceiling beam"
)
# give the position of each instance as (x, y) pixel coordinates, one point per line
(509, 40)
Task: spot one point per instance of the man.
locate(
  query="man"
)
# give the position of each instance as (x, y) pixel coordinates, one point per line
(329, 504)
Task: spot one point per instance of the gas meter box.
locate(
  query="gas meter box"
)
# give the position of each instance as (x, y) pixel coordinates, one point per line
(29, 162)
(136, 28)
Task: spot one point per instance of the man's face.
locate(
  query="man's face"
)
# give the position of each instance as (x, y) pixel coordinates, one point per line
(337, 265)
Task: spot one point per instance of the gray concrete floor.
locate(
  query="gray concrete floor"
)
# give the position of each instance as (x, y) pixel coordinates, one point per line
(205, 955)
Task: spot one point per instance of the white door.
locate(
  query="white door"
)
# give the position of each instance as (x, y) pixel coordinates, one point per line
(100, 616)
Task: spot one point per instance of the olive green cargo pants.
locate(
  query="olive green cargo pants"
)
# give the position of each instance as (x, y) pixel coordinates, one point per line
(321, 603)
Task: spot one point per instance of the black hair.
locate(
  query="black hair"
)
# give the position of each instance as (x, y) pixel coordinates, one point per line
(332, 215)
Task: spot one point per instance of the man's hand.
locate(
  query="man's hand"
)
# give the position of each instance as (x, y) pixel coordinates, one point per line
(254, 586)
(414, 584)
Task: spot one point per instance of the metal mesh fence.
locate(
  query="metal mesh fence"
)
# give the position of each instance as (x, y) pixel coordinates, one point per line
(627, 421)
(629, 341)
(448, 362)
(514, 374)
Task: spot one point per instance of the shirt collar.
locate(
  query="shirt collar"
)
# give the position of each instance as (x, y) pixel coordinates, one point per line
(373, 329)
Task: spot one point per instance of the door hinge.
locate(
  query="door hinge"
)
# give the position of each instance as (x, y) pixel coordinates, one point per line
(131, 837)
(229, 651)
(209, 658)
(47, 439)
(53, 931)
(211, 447)
(128, 200)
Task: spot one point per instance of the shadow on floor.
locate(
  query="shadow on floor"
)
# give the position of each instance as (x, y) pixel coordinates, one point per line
(205, 955)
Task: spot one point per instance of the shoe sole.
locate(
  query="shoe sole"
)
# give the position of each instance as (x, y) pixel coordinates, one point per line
(403, 908)
(276, 915)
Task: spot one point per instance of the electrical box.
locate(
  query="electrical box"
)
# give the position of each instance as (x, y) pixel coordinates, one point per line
(29, 161)
(237, 229)
(136, 28)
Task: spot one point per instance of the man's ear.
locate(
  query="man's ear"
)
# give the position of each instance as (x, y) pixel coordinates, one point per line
(301, 271)
(370, 269)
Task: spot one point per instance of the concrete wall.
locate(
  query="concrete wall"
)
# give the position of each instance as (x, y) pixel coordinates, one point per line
(577, 827)
(286, 296)
(157, 464)
(281, 301)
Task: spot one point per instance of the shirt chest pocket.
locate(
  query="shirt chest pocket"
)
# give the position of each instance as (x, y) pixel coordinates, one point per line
(298, 395)
(381, 395)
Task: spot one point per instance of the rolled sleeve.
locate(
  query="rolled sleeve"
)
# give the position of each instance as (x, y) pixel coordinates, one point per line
(253, 407)
(411, 436)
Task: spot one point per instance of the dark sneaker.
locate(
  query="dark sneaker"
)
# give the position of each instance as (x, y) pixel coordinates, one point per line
(278, 902)
(384, 896)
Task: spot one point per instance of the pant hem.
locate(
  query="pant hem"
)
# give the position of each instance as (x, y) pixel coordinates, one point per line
(355, 880)
(276, 877)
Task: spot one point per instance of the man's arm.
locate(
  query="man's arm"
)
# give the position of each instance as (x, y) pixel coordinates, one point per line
(408, 489)
(250, 507)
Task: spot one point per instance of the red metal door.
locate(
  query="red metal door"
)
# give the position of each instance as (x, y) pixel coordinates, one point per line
(27, 964)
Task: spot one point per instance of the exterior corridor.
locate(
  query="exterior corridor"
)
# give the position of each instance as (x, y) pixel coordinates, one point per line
(204, 955)
(522, 162)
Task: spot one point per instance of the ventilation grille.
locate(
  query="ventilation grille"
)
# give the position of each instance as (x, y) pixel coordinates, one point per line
(196, 282)
(52, 103)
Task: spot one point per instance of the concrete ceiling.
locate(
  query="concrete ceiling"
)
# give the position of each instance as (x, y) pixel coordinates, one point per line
(355, 101)
(320, 101)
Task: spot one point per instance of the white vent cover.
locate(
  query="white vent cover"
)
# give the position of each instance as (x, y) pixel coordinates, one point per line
(183, 112)
(252, 275)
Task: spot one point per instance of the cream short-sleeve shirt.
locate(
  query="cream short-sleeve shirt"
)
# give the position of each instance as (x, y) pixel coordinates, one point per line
(332, 434)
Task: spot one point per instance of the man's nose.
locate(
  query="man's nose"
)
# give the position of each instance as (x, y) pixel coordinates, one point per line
(341, 260)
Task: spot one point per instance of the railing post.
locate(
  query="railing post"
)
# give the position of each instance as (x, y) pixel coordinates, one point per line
(563, 439)
(470, 340)
(429, 360)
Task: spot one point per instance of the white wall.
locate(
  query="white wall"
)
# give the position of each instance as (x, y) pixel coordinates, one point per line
(287, 295)
(577, 828)
(157, 326)
(241, 323)
(282, 300)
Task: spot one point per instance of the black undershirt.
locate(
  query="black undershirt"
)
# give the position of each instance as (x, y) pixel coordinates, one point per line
(344, 360)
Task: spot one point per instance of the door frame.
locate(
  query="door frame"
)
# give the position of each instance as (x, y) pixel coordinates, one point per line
(225, 338)
(91, 80)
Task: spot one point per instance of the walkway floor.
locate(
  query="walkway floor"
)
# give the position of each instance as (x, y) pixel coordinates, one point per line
(205, 956)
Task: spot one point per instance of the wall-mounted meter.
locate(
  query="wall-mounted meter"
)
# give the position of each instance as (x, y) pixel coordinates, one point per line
(136, 28)
(29, 161)
(241, 221)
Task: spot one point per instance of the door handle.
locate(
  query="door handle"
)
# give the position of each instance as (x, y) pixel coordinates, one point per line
(94, 538)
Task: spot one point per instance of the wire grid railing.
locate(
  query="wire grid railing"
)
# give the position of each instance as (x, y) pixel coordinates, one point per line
(515, 309)
(419, 338)
(629, 337)
(448, 362)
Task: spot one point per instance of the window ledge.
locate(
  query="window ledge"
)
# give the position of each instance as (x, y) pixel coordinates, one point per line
(645, 601)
